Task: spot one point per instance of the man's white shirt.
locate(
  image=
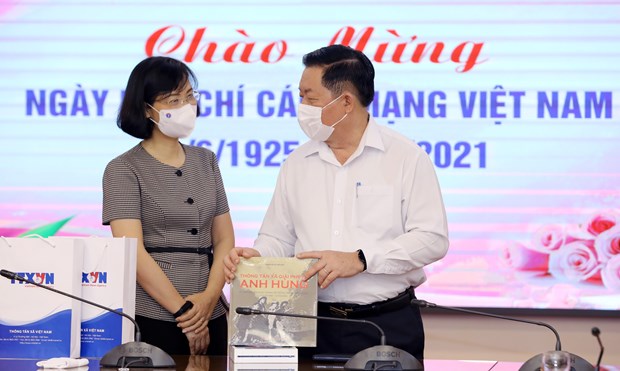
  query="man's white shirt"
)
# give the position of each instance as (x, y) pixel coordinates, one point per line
(385, 200)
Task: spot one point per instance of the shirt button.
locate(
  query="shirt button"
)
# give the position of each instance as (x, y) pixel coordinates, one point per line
(193, 231)
(338, 201)
(190, 200)
(337, 233)
(178, 172)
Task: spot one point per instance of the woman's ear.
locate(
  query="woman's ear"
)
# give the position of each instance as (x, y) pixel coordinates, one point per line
(149, 112)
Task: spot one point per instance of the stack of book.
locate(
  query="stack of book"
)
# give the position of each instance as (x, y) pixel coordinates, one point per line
(271, 285)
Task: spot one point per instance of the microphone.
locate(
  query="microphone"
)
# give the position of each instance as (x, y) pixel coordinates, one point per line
(596, 332)
(532, 364)
(135, 354)
(384, 357)
(426, 304)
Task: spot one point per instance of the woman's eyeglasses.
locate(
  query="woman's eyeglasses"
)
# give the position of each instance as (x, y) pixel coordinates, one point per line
(175, 100)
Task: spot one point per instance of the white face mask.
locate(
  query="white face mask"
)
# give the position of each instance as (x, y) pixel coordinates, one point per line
(309, 118)
(177, 122)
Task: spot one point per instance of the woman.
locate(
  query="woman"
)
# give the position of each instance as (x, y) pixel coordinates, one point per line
(171, 198)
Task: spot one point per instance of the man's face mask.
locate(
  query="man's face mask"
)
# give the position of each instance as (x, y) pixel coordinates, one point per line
(309, 118)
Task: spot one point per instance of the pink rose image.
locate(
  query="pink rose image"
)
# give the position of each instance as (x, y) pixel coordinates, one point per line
(519, 257)
(577, 233)
(548, 238)
(562, 296)
(575, 261)
(607, 244)
(611, 273)
(602, 222)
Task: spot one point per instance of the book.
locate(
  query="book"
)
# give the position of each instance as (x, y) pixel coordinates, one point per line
(273, 285)
(232, 366)
(243, 354)
(260, 366)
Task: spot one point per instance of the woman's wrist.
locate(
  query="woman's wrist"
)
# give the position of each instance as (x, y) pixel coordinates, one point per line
(210, 302)
(184, 308)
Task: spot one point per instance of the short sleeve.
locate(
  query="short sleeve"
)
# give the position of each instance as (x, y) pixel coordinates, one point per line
(121, 192)
(222, 201)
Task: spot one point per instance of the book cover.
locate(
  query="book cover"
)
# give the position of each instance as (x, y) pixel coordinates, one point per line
(273, 285)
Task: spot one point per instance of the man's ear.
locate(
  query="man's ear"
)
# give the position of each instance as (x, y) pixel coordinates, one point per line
(349, 101)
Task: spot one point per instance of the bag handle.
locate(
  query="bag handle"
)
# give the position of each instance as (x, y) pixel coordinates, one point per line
(39, 237)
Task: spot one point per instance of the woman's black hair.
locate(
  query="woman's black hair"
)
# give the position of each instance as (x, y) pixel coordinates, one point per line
(150, 79)
(344, 68)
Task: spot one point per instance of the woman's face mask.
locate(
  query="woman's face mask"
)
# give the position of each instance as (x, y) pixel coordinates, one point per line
(309, 118)
(177, 122)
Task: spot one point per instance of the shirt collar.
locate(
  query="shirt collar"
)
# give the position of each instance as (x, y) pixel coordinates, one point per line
(371, 138)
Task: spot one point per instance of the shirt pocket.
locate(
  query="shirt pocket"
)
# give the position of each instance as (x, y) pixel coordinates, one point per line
(374, 208)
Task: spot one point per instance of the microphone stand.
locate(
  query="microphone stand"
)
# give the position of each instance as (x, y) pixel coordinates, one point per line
(135, 354)
(379, 357)
(596, 333)
(426, 304)
(532, 364)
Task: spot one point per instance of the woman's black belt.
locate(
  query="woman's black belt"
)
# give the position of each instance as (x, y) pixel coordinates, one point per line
(345, 310)
(191, 250)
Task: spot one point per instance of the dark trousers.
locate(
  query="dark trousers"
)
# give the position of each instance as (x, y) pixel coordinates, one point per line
(168, 337)
(403, 329)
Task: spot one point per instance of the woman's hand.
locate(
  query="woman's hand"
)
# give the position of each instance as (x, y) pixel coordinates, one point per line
(198, 363)
(198, 343)
(196, 319)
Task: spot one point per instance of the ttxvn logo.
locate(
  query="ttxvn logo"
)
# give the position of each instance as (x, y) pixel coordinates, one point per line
(94, 277)
(40, 278)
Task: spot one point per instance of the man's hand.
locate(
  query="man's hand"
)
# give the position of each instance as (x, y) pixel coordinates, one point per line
(331, 265)
(232, 259)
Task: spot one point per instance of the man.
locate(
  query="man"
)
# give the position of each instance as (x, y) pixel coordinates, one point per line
(361, 199)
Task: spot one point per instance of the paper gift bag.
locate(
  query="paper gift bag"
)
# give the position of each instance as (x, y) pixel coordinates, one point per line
(34, 322)
(108, 278)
